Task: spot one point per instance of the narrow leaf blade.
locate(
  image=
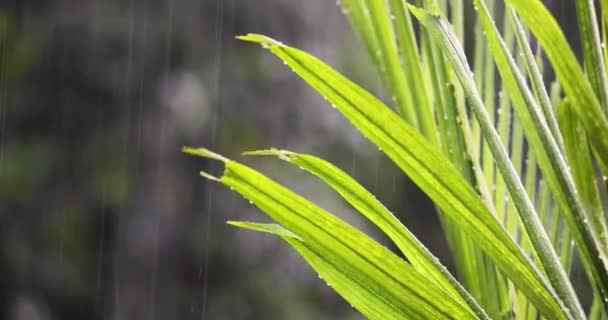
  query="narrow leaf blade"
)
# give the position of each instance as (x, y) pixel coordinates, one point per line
(425, 166)
(362, 200)
(372, 267)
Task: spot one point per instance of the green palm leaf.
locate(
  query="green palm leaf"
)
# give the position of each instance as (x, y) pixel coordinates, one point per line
(373, 279)
(425, 166)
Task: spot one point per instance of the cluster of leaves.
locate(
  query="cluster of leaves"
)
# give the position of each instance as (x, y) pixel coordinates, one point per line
(512, 225)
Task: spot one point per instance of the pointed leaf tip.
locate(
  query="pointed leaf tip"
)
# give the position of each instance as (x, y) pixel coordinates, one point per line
(263, 40)
(205, 153)
(208, 176)
(282, 154)
(271, 228)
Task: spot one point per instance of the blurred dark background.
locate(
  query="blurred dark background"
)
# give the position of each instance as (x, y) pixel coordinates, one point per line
(102, 216)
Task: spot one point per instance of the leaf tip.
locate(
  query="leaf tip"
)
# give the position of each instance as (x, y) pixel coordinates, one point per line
(270, 228)
(205, 153)
(234, 223)
(264, 41)
(281, 154)
(208, 176)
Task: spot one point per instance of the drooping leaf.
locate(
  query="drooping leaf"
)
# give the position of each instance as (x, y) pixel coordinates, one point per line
(355, 194)
(425, 166)
(359, 267)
